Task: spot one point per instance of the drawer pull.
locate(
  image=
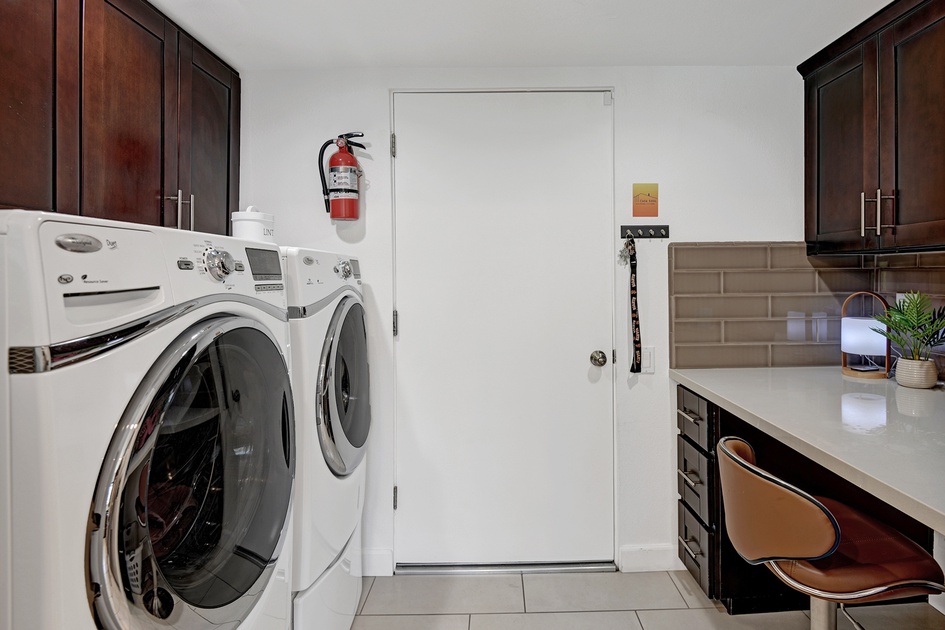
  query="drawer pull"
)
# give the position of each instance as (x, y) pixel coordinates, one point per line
(689, 481)
(685, 544)
(690, 416)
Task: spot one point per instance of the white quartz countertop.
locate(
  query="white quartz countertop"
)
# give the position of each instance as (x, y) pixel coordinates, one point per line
(887, 439)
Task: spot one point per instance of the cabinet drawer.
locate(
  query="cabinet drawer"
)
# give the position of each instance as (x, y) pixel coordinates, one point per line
(694, 478)
(695, 545)
(692, 418)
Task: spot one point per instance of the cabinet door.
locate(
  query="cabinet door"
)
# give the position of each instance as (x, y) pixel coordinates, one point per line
(129, 113)
(209, 137)
(27, 104)
(912, 54)
(841, 161)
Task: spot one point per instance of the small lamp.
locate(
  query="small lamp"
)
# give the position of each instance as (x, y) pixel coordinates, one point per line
(858, 337)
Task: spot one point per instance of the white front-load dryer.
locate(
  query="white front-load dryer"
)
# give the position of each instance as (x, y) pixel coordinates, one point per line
(148, 429)
(333, 418)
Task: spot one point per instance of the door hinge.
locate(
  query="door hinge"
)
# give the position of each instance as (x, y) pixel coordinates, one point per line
(395, 497)
(615, 357)
(393, 144)
(395, 323)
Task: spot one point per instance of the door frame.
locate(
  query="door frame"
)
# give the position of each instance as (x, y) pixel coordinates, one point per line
(615, 245)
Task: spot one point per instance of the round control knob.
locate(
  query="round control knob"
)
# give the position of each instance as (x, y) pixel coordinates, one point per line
(219, 263)
(343, 269)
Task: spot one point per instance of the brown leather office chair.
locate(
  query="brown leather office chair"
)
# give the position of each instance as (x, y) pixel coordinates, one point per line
(818, 546)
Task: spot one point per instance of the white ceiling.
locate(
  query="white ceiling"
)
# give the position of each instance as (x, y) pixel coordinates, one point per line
(511, 33)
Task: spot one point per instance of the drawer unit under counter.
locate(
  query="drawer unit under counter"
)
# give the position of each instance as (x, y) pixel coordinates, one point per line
(695, 478)
(696, 418)
(696, 482)
(696, 545)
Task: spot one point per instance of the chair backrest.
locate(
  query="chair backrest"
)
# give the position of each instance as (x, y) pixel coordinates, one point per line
(766, 518)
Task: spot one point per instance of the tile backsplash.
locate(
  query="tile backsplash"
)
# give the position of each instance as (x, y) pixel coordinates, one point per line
(757, 304)
(767, 304)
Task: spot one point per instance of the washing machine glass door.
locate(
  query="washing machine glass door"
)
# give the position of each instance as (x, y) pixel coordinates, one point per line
(343, 411)
(190, 512)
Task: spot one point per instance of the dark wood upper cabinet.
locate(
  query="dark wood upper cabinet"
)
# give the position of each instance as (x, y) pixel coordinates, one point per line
(912, 127)
(108, 109)
(27, 104)
(209, 130)
(841, 161)
(875, 135)
(129, 97)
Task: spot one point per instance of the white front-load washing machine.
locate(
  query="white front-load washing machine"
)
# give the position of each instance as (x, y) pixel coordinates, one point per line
(333, 418)
(147, 426)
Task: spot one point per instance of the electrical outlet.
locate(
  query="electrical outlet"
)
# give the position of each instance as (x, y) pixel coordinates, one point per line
(648, 360)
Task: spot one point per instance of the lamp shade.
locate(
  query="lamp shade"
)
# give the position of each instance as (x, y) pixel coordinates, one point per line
(858, 337)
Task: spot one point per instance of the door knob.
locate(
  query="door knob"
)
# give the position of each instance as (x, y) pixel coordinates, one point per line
(598, 358)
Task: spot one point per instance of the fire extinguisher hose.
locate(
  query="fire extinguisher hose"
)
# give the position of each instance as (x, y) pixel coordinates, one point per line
(321, 173)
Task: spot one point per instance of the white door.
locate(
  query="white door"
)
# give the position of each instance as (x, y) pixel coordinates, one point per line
(504, 258)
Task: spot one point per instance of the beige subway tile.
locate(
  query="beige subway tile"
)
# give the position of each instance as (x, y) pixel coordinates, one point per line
(720, 307)
(797, 329)
(933, 259)
(794, 256)
(720, 256)
(769, 282)
(896, 261)
(829, 305)
(805, 354)
(903, 280)
(843, 281)
(691, 282)
(698, 332)
(789, 256)
(721, 356)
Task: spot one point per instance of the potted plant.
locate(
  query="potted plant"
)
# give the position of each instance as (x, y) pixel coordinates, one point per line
(914, 325)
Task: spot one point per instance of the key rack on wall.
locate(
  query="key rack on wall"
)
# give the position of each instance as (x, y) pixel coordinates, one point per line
(644, 231)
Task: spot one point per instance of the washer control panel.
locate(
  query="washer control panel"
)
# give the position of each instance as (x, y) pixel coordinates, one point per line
(219, 263)
(343, 269)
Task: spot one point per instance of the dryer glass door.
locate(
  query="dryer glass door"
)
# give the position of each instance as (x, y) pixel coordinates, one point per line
(203, 460)
(343, 411)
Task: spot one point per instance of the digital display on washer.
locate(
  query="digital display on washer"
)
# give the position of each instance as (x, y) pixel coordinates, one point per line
(264, 264)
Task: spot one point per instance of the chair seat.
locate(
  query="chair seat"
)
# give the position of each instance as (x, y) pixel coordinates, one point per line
(871, 554)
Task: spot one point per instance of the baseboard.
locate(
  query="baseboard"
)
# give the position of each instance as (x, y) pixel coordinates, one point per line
(377, 562)
(638, 558)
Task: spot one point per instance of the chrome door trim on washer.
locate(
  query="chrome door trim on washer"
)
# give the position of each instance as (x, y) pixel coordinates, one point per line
(342, 395)
(301, 312)
(30, 360)
(129, 587)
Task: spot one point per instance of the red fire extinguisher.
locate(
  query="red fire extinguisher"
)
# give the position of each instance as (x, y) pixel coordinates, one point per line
(341, 189)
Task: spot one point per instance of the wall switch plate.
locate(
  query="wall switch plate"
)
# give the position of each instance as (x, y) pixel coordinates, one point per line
(648, 360)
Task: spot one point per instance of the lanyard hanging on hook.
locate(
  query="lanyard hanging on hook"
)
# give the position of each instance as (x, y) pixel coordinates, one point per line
(628, 255)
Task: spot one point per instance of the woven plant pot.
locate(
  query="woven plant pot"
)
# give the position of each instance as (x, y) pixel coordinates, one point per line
(917, 374)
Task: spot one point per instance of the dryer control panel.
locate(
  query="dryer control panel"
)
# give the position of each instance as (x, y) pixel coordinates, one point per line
(312, 275)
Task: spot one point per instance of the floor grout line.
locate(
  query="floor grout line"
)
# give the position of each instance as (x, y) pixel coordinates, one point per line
(524, 599)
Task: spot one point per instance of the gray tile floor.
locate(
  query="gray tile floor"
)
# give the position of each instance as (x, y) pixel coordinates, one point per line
(585, 601)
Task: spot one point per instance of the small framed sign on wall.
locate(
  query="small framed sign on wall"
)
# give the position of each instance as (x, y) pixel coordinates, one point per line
(646, 200)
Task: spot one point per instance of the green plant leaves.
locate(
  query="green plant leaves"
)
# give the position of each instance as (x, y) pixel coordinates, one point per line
(914, 325)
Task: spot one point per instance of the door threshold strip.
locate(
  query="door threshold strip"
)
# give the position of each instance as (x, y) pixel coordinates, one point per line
(523, 567)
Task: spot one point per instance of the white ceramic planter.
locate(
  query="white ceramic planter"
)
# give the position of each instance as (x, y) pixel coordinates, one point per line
(918, 374)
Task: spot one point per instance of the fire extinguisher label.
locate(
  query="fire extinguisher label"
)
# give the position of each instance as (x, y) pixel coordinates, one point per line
(342, 179)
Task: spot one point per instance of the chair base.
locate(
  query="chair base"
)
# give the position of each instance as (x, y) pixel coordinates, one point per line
(823, 614)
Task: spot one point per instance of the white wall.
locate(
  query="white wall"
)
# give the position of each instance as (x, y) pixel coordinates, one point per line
(724, 144)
